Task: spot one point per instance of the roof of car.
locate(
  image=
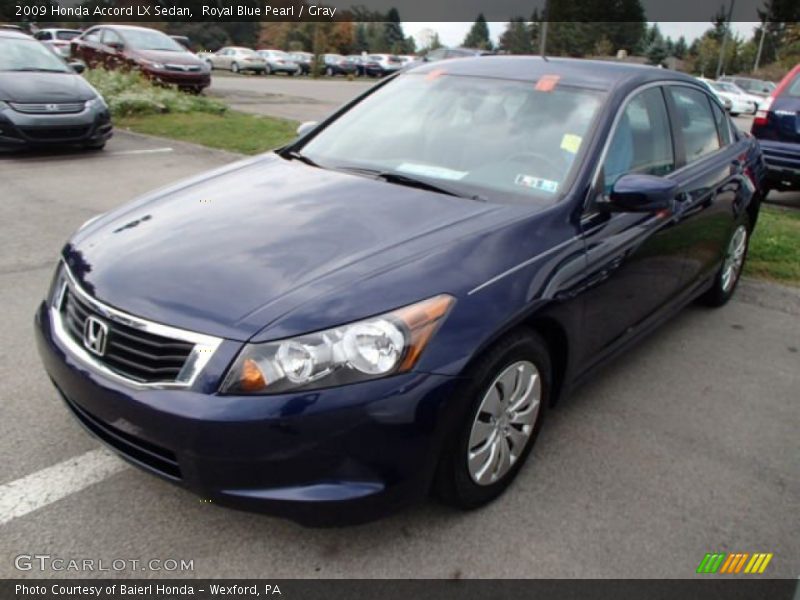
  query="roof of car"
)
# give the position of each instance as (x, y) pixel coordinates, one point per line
(571, 71)
(16, 35)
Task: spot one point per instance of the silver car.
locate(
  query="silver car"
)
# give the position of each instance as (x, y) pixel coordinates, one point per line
(235, 59)
(279, 61)
(57, 39)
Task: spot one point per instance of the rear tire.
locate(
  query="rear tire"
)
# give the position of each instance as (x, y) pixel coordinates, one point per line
(727, 278)
(508, 395)
(329, 72)
(234, 67)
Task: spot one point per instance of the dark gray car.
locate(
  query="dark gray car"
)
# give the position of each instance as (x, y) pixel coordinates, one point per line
(43, 101)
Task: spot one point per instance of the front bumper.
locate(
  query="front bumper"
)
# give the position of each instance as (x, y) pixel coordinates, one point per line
(185, 79)
(327, 457)
(90, 126)
(783, 164)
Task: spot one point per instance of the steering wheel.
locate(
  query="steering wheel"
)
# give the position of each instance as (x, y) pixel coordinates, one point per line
(556, 166)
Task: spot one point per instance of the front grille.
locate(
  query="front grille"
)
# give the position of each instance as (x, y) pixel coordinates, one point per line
(140, 451)
(52, 134)
(138, 355)
(183, 68)
(48, 109)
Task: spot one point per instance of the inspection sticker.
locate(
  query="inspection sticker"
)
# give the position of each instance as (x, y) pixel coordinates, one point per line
(571, 143)
(537, 183)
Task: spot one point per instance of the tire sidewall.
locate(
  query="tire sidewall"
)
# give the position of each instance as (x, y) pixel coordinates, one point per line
(463, 491)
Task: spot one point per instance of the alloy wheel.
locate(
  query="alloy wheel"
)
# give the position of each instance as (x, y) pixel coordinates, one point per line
(734, 258)
(504, 422)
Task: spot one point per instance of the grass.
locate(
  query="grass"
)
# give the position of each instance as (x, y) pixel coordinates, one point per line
(775, 247)
(232, 131)
(129, 93)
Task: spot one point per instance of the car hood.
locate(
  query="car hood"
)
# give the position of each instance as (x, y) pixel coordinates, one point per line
(44, 87)
(167, 57)
(216, 254)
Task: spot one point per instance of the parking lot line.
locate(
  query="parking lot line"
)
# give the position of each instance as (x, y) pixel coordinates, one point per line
(37, 490)
(144, 151)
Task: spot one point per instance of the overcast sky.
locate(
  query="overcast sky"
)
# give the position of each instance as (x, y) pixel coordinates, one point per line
(452, 34)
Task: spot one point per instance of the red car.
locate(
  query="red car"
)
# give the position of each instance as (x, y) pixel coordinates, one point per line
(156, 54)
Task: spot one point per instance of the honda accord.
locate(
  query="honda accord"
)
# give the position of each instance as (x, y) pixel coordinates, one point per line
(389, 305)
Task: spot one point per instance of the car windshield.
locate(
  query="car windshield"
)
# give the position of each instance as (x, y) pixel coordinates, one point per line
(67, 35)
(28, 55)
(246, 52)
(725, 87)
(148, 39)
(488, 138)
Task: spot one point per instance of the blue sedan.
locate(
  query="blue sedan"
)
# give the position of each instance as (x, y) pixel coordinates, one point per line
(389, 305)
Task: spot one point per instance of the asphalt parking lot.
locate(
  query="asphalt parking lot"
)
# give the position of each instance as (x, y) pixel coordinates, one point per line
(688, 444)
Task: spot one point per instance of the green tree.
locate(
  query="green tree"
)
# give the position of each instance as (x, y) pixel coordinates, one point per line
(394, 37)
(516, 39)
(680, 50)
(657, 52)
(360, 41)
(478, 36)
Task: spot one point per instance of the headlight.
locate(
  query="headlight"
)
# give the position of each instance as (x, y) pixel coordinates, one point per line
(369, 349)
(152, 64)
(54, 294)
(96, 102)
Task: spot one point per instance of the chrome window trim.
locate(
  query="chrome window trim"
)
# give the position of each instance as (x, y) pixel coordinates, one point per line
(623, 105)
(204, 345)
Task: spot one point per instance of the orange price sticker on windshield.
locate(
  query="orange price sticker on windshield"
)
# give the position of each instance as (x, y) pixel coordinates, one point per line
(547, 83)
(435, 74)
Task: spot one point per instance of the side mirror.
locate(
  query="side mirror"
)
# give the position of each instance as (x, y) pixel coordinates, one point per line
(304, 128)
(77, 66)
(641, 193)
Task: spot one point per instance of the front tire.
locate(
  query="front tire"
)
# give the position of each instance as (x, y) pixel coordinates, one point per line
(730, 272)
(234, 67)
(329, 72)
(508, 396)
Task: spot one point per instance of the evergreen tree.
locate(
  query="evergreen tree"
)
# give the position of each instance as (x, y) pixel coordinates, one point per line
(680, 50)
(478, 36)
(360, 41)
(778, 15)
(516, 39)
(394, 38)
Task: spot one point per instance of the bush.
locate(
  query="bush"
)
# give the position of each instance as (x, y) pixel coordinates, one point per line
(129, 93)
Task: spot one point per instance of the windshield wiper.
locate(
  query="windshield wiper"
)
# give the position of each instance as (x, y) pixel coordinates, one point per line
(296, 155)
(407, 180)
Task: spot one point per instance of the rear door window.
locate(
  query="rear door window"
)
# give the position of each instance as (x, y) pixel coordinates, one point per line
(695, 120)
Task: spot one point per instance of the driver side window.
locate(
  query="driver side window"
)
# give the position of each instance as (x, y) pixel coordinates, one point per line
(110, 37)
(642, 141)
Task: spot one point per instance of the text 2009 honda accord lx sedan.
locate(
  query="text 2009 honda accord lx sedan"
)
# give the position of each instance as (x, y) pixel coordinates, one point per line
(388, 306)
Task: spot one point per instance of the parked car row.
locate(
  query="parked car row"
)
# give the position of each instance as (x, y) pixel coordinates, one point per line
(735, 99)
(239, 59)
